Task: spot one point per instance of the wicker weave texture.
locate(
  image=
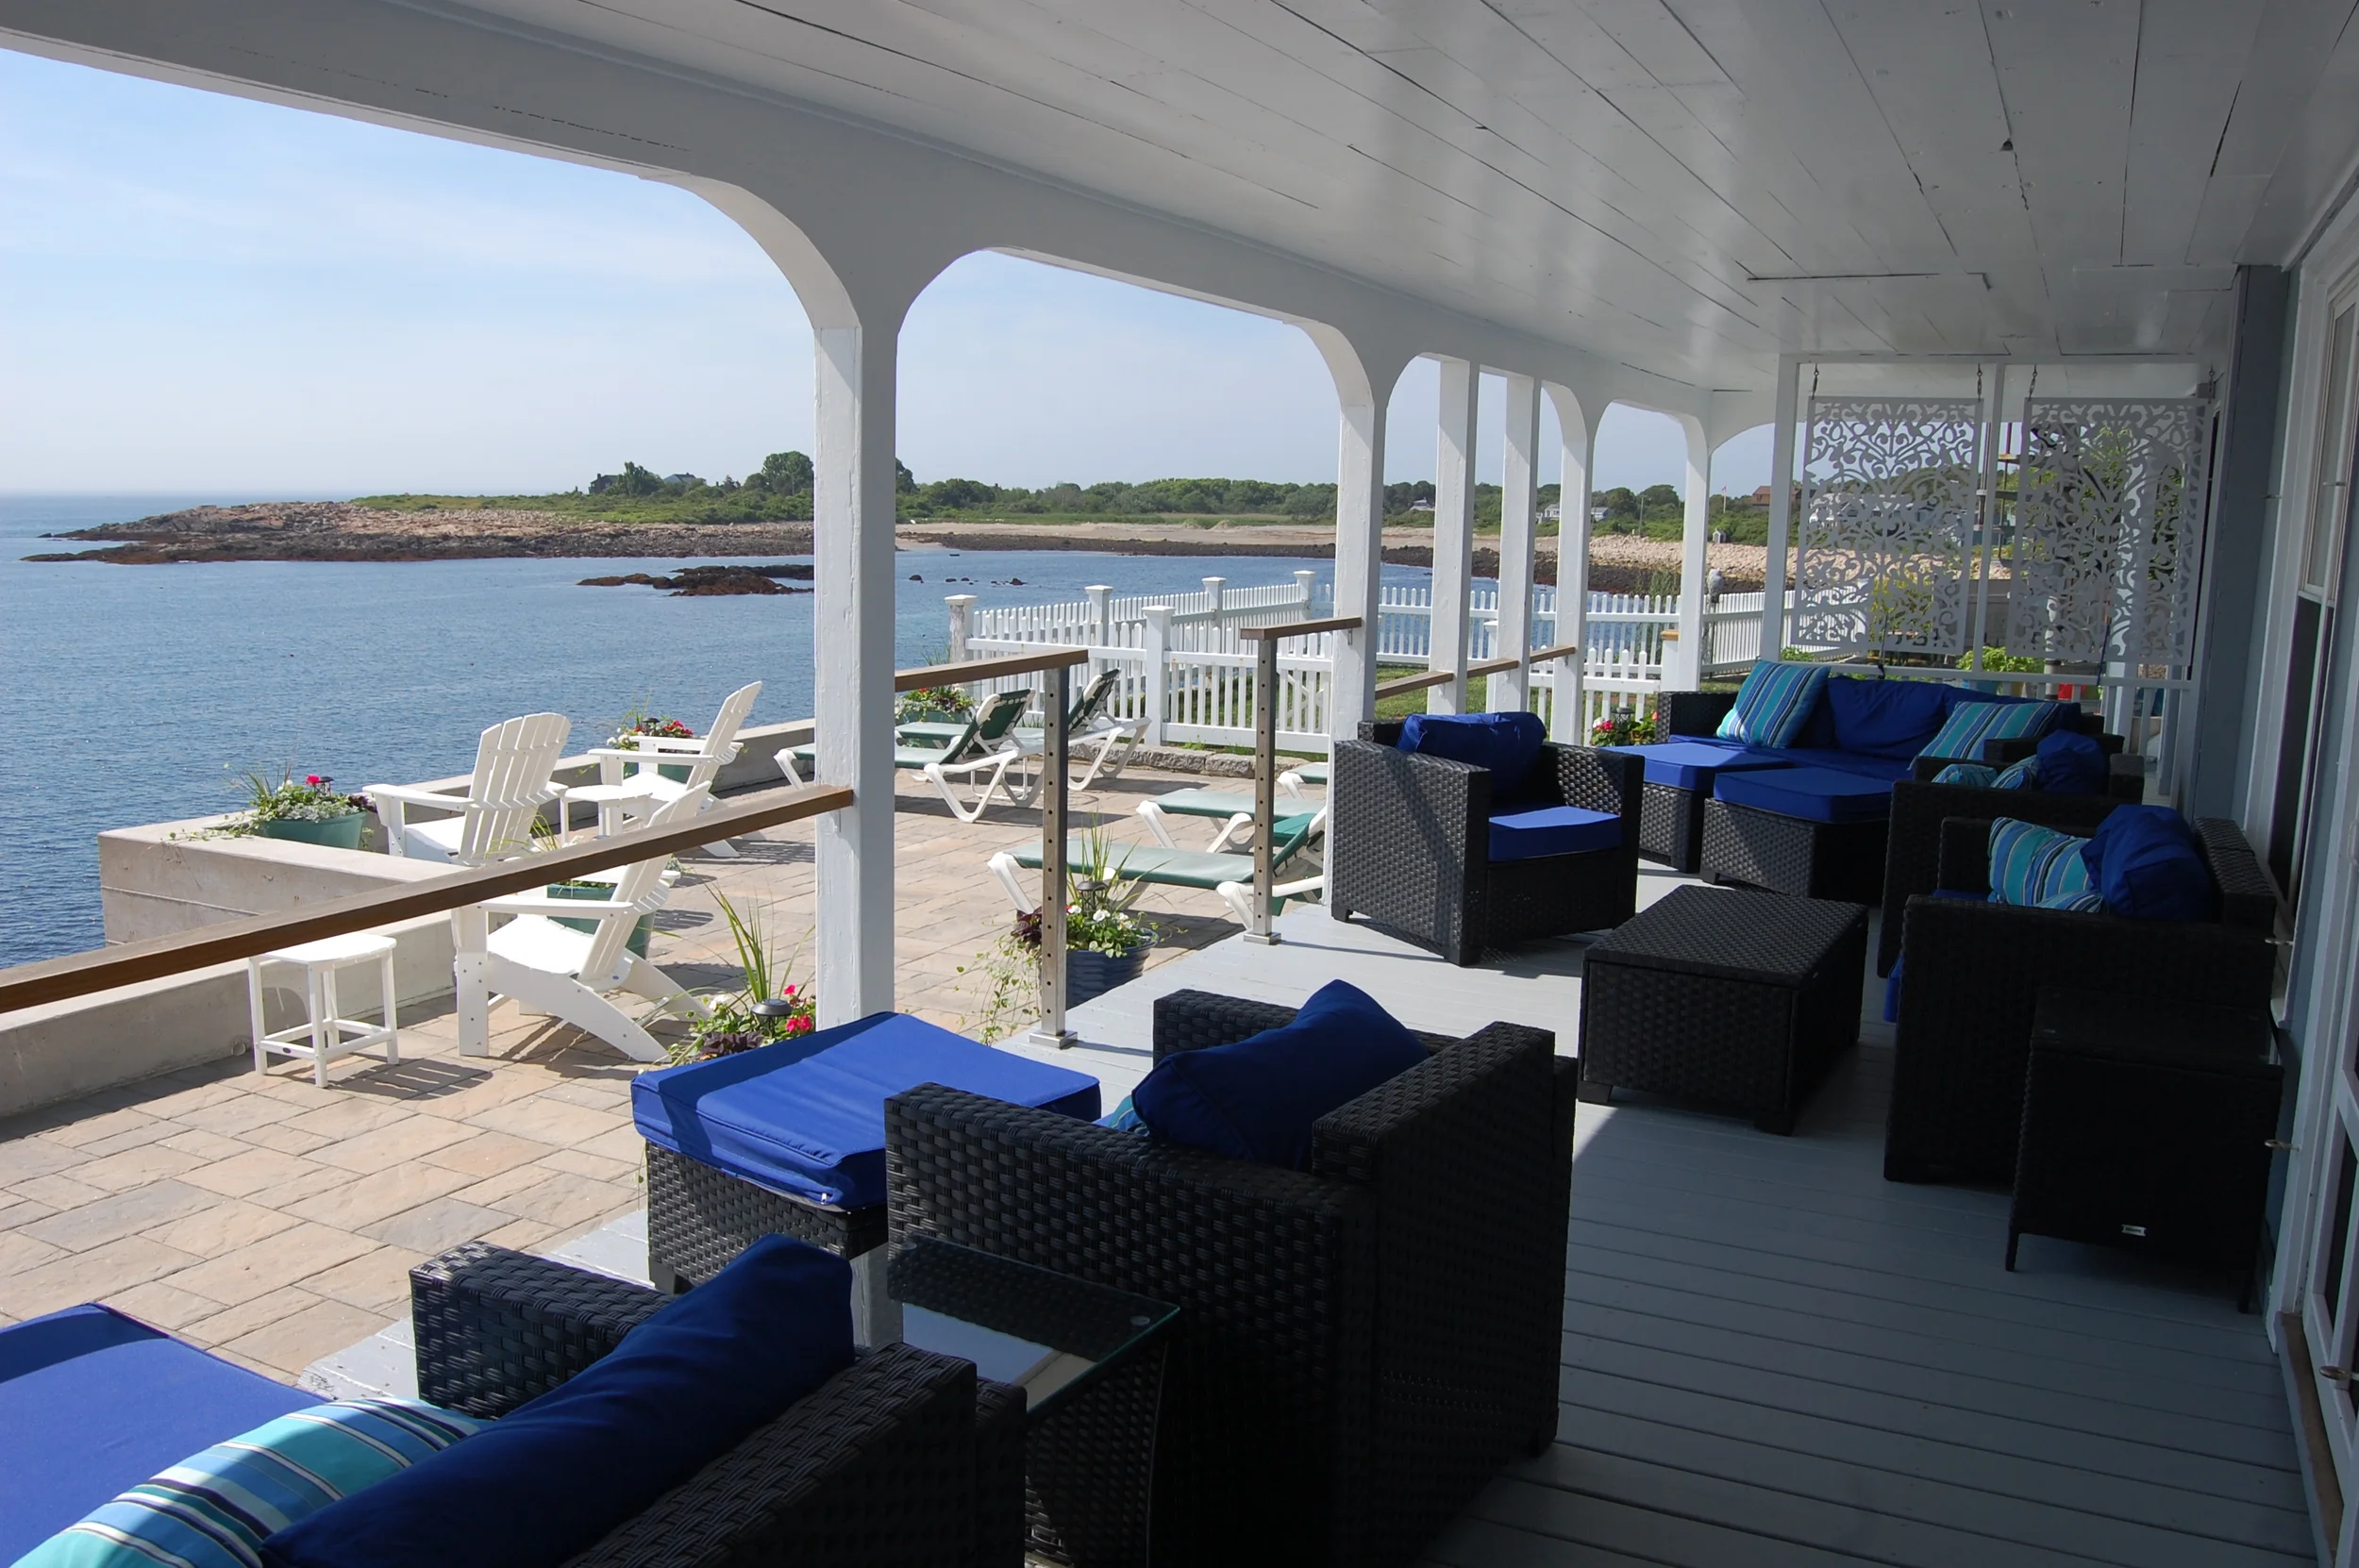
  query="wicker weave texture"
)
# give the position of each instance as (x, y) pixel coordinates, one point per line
(1971, 984)
(1671, 825)
(1360, 1344)
(1793, 855)
(883, 1465)
(1663, 1013)
(1694, 713)
(699, 1217)
(1409, 837)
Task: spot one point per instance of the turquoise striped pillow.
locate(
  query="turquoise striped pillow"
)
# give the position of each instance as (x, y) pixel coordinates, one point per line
(1977, 776)
(2034, 867)
(1970, 724)
(2017, 776)
(1773, 704)
(213, 1509)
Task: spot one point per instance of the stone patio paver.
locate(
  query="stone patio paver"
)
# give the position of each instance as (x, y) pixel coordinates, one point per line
(275, 1222)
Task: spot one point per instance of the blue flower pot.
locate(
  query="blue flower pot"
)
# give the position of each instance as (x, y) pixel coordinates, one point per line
(1090, 974)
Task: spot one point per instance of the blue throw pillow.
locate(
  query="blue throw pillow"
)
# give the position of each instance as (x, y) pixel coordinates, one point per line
(1776, 700)
(549, 1480)
(1256, 1099)
(1124, 1118)
(2145, 862)
(214, 1508)
(2031, 865)
(1885, 718)
(1507, 743)
(1976, 775)
(2071, 763)
(1970, 724)
(2017, 776)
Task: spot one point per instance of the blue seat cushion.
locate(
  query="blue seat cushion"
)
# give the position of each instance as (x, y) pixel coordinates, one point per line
(2071, 763)
(1885, 718)
(1884, 769)
(553, 1477)
(2146, 864)
(1815, 794)
(806, 1117)
(1506, 744)
(1777, 698)
(92, 1403)
(1258, 1098)
(1525, 833)
(1694, 764)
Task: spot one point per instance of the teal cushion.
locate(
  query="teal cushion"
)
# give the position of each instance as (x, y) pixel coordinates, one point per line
(2032, 867)
(1124, 1118)
(1977, 775)
(2017, 776)
(1972, 723)
(1774, 703)
(214, 1509)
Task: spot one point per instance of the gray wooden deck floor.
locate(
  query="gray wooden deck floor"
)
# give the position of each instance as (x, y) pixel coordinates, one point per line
(1774, 1357)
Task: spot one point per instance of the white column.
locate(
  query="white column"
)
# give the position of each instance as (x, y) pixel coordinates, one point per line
(1697, 496)
(1572, 570)
(962, 623)
(852, 551)
(1158, 648)
(1453, 534)
(1773, 628)
(1519, 505)
(1359, 560)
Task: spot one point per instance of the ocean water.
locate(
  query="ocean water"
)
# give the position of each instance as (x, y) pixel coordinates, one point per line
(143, 693)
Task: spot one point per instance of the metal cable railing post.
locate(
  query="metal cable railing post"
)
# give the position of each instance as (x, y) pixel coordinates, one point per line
(1053, 870)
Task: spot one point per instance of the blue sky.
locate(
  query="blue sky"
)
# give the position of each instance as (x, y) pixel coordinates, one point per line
(200, 294)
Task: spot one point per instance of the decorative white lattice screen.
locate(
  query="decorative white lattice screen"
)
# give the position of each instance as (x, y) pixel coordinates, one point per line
(1886, 540)
(2109, 530)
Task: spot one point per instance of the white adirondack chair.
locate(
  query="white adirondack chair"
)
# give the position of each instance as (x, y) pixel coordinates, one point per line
(630, 788)
(493, 819)
(549, 968)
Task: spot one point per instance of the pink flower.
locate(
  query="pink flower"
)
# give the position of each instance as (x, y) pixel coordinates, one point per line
(313, 779)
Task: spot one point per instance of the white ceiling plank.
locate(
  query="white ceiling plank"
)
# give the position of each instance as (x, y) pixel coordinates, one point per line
(2191, 55)
(2316, 160)
(2068, 73)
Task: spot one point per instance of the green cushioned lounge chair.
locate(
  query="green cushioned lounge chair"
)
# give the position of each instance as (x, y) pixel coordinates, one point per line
(1157, 865)
(984, 748)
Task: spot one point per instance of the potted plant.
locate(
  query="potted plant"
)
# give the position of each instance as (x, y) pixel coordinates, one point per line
(769, 1010)
(640, 721)
(1623, 728)
(1105, 944)
(306, 812)
(933, 704)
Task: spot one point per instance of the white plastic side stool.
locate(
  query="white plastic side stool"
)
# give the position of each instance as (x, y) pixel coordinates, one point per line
(325, 1034)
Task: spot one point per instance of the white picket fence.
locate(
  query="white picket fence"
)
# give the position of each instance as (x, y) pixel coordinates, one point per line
(1188, 675)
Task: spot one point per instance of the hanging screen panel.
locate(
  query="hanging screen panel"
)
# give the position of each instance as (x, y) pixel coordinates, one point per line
(2109, 530)
(1885, 543)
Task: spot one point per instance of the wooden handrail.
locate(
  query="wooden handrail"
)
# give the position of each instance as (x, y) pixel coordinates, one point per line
(82, 974)
(1300, 628)
(1488, 667)
(1411, 683)
(926, 675)
(1563, 650)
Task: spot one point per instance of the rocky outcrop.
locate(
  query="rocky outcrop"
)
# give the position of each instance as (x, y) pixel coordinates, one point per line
(700, 582)
(337, 530)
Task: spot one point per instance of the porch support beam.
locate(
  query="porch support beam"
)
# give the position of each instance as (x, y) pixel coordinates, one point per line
(1577, 426)
(852, 505)
(1697, 494)
(1359, 560)
(1453, 533)
(1511, 690)
(1773, 625)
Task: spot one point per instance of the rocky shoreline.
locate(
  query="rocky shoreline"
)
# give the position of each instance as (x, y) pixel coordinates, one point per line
(341, 531)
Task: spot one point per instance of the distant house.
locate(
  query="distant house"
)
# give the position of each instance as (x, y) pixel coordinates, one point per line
(1761, 496)
(1421, 505)
(1552, 514)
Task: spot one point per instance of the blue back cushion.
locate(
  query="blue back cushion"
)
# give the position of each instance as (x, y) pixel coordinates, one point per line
(1528, 832)
(1507, 743)
(2071, 763)
(1971, 723)
(1885, 718)
(2034, 867)
(92, 1403)
(806, 1117)
(2146, 864)
(214, 1509)
(1773, 704)
(1257, 1100)
(547, 1482)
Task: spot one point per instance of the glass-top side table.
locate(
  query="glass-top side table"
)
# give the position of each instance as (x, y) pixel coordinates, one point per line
(1090, 1360)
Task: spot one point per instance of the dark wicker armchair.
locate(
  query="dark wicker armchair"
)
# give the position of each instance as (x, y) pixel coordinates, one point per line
(904, 1458)
(1975, 970)
(1408, 846)
(1363, 1344)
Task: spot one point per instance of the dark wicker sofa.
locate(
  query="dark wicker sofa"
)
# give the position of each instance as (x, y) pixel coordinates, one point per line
(1408, 846)
(1363, 1346)
(1975, 970)
(904, 1458)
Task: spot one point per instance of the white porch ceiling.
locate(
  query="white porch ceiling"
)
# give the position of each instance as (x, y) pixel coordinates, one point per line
(1686, 186)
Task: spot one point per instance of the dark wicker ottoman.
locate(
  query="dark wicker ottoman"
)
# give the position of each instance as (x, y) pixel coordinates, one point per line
(1740, 1000)
(1793, 855)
